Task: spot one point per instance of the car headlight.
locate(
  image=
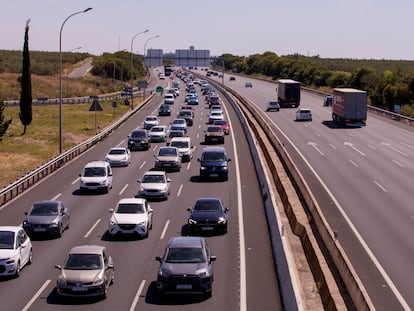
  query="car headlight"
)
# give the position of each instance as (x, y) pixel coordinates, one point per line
(98, 281)
(103, 182)
(222, 220)
(61, 280)
(191, 221)
(163, 274)
(202, 168)
(142, 223)
(10, 261)
(224, 167)
(202, 273)
(112, 223)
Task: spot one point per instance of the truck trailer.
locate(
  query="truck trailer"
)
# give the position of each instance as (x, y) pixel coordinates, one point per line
(349, 107)
(288, 92)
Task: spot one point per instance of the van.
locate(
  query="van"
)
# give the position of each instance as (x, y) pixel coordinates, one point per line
(184, 147)
(96, 176)
(214, 163)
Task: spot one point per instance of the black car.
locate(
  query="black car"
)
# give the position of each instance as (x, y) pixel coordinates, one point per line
(47, 217)
(207, 215)
(214, 163)
(186, 267)
(139, 139)
(164, 110)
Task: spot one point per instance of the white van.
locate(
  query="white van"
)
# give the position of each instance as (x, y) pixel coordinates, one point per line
(184, 147)
(96, 176)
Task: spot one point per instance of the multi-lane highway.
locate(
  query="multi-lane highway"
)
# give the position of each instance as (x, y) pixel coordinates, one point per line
(363, 179)
(244, 276)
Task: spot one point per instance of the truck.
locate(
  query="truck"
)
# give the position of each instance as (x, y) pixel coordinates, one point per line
(288, 93)
(349, 107)
(168, 70)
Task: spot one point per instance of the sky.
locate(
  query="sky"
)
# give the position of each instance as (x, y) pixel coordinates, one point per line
(358, 29)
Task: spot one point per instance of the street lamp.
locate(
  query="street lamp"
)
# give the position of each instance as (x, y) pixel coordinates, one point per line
(145, 46)
(60, 76)
(132, 67)
(67, 72)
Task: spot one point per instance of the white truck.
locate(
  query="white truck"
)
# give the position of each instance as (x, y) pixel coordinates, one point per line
(349, 106)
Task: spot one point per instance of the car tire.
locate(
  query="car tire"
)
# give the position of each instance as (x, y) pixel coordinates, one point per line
(30, 260)
(60, 231)
(17, 273)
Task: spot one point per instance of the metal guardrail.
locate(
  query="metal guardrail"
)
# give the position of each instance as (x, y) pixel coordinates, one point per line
(16, 188)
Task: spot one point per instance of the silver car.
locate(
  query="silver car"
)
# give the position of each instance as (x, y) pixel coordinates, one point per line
(158, 133)
(154, 185)
(118, 157)
(50, 217)
(87, 272)
(168, 158)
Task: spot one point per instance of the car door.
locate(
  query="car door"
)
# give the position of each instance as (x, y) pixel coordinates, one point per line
(23, 245)
(64, 215)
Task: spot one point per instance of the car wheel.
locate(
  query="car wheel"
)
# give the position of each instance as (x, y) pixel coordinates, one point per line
(30, 260)
(17, 273)
(60, 231)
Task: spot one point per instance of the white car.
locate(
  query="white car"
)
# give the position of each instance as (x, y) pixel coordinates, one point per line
(158, 133)
(154, 185)
(214, 116)
(168, 158)
(184, 147)
(131, 216)
(169, 99)
(303, 114)
(150, 121)
(118, 157)
(179, 124)
(15, 250)
(96, 176)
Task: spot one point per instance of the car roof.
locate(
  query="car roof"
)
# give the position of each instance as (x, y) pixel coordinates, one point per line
(186, 241)
(139, 130)
(118, 148)
(183, 138)
(98, 163)
(11, 228)
(131, 201)
(214, 149)
(201, 199)
(155, 173)
(87, 249)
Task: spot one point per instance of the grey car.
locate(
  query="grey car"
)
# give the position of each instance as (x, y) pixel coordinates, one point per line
(50, 217)
(186, 267)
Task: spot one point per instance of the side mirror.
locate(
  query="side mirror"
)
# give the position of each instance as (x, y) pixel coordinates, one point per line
(158, 258)
(111, 210)
(228, 160)
(58, 267)
(213, 258)
(189, 209)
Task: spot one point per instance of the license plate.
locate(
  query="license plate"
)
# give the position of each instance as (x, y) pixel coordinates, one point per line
(39, 229)
(167, 164)
(213, 175)
(184, 286)
(207, 228)
(79, 289)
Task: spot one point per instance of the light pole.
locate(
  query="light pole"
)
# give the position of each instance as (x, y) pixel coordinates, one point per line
(67, 72)
(132, 67)
(145, 46)
(60, 76)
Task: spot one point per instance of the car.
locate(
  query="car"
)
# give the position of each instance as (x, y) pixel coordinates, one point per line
(214, 163)
(172, 91)
(168, 158)
(328, 101)
(186, 267)
(118, 156)
(214, 134)
(154, 185)
(193, 100)
(174, 133)
(213, 99)
(176, 90)
(187, 107)
(161, 76)
(15, 250)
(169, 99)
(214, 116)
(190, 95)
(150, 121)
(164, 110)
(48, 216)
(88, 271)
(208, 214)
(96, 176)
(303, 114)
(232, 78)
(131, 216)
(272, 105)
(248, 84)
(187, 115)
(139, 139)
(158, 133)
(217, 108)
(224, 126)
(179, 124)
(184, 147)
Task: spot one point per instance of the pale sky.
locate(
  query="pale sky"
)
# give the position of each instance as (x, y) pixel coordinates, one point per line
(374, 29)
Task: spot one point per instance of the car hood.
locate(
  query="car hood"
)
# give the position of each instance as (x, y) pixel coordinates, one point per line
(173, 158)
(96, 179)
(116, 157)
(42, 220)
(128, 218)
(81, 275)
(137, 138)
(207, 215)
(213, 163)
(156, 186)
(184, 268)
(7, 253)
(214, 134)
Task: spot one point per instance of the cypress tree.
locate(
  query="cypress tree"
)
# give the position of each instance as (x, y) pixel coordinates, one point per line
(26, 84)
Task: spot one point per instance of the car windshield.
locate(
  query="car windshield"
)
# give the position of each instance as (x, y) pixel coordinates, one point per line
(94, 172)
(215, 113)
(176, 134)
(44, 209)
(157, 129)
(179, 121)
(130, 208)
(213, 156)
(180, 144)
(153, 179)
(207, 205)
(6, 240)
(167, 152)
(138, 134)
(220, 122)
(151, 119)
(214, 129)
(117, 151)
(83, 262)
(185, 255)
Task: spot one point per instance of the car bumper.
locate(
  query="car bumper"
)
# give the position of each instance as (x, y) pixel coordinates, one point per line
(167, 165)
(207, 228)
(132, 146)
(184, 284)
(128, 229)
(153, 194)
(72, 290)
(214, 173)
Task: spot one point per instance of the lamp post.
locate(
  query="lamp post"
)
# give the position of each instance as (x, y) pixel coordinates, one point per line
(132, 67)
(60, 75)
(145, 46)
(67, 72)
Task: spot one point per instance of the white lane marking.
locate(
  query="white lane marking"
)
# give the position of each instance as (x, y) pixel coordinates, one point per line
(155, 148)
(120, 143)
(372, 147)
(353, 163)
(142, 165)
(393, 148)
(75, 181)
(188, 165)
(199, 126)
(137, 295)
(407, 145)
(123, 189)
(198, 135)
(398, 163)
(41, 289)
(56, 196)
(179, 190)
(91, 229)
(351, 134)
(353, 147)
(314, 145)
(165, 229)
(317, 134)
(332, 146)
(380, 186)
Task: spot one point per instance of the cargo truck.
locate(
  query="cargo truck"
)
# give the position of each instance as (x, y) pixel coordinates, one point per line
(349, 107)
(288, 93)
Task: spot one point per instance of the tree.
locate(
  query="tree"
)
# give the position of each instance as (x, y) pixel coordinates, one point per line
(4, 124)
(26, 84)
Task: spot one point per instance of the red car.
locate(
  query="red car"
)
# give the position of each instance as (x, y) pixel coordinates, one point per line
(224, 126)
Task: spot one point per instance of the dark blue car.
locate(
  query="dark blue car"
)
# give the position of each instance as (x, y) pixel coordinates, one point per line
(214, 163)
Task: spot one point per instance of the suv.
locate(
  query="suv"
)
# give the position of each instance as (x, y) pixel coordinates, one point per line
(214, 163)
(139, 140)
(303, 114)
(186, 267)
(96, 175)
(184, 147)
